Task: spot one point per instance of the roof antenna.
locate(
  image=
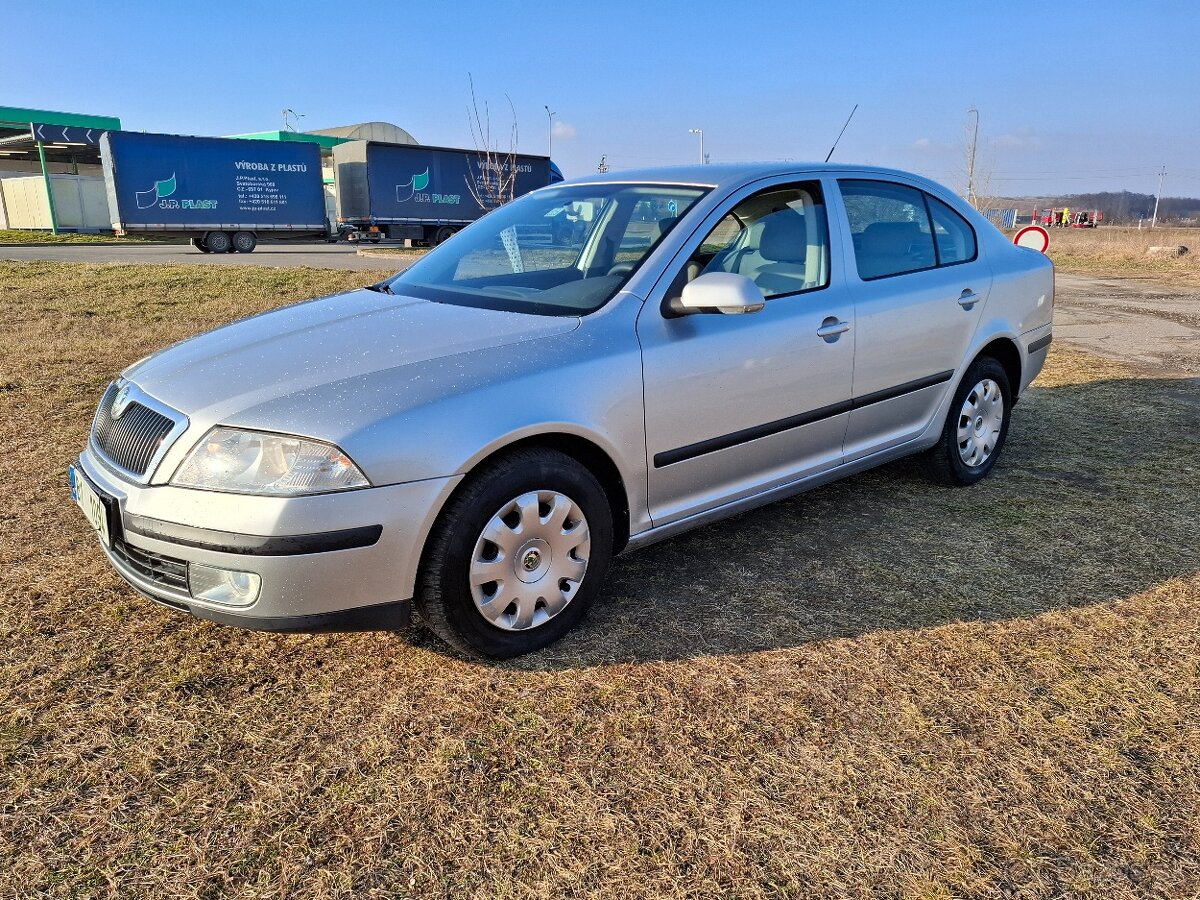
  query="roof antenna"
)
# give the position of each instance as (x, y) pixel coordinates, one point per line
(843, 131)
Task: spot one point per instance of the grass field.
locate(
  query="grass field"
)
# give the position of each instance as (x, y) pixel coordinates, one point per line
(1112, 250)
(17, 236)
(877, 689)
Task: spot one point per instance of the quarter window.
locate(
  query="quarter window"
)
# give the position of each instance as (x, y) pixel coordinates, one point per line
(890, 228)
(955, 239)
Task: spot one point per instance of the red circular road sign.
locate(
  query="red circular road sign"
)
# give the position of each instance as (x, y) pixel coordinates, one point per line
(1033, 236)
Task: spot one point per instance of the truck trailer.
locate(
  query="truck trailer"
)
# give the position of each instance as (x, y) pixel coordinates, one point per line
(418, 193)
(223, 194)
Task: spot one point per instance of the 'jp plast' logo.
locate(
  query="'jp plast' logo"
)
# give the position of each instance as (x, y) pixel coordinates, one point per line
(162, 196)
(161, 189)
(405, 191)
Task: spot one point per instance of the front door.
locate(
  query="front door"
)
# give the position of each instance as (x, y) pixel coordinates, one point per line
(737, 404)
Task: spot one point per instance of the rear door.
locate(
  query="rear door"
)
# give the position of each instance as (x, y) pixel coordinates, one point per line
(919, 289)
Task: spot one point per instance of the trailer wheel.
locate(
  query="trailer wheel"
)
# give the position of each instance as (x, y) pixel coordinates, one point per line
(375, 237)
(443, 234)
(245, 242)
(217, 242)
(199, 244)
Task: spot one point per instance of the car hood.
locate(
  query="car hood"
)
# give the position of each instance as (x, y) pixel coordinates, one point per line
(298, 347)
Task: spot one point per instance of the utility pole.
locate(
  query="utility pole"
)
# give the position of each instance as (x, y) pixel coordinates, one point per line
(1162, 174)
(549, 131)
(700, 131)
(971, 158)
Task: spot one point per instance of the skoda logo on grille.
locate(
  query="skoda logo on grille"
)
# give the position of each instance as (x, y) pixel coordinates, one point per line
(120, 402)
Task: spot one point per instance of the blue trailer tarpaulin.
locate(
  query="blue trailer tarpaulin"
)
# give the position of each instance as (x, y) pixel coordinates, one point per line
(162, 182)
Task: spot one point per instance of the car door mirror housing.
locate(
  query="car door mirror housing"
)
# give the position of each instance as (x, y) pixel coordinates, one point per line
(719, 292)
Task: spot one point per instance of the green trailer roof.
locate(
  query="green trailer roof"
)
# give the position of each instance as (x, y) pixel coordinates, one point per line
(327, 142)
(16, 115)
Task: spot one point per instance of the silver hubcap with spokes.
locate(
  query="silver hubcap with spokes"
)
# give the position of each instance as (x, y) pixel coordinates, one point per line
(530, 560)
(979, 423)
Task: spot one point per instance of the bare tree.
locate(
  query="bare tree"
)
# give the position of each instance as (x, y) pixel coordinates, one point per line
(492, 179)
(973, 175)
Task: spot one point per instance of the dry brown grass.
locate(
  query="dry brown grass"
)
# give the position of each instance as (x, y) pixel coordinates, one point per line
(1112, 250)
(18, 236)
(877, 689)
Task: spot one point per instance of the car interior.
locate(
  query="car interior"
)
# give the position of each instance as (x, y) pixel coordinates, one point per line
(777, 239)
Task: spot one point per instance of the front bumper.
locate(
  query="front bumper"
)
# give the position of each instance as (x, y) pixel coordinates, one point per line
(344, 561)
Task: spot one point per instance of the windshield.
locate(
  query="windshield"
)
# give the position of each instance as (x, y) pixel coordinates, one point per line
(558, 251)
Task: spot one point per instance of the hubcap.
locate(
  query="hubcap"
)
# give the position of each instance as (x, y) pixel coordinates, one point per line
(530, 560)
(979, 423)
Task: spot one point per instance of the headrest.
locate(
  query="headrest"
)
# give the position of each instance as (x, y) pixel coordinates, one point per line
(890, 237)
(784, 238)
(665, 225)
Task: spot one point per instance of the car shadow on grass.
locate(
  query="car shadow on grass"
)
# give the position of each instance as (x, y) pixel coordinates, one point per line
(1095, 499)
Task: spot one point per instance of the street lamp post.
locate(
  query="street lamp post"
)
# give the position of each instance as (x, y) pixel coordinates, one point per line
(549, 131)
(699, 131)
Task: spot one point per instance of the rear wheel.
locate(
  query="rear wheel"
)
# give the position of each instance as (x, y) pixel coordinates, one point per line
(199, 244)
(518, 555)
(217, 242)
(975, 427)
(244, 242)
(443, 234)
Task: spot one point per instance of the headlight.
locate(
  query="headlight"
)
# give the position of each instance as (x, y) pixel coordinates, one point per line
(257, 462)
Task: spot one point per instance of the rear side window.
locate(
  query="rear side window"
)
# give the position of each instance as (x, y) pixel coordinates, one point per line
(955, 239)
(890, 227)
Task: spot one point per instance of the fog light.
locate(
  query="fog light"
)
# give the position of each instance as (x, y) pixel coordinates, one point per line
(223, 585)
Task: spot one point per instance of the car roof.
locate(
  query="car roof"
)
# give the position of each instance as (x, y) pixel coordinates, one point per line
(718, 175)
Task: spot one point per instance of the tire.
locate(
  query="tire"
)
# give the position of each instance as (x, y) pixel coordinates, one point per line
(986, 395)
(218, 242)
(199, 244)
(443, 234)
(244, 241)
(375, 237)
(542, 607)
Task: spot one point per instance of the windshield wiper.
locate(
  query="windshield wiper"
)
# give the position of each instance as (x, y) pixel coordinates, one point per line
(382, 288)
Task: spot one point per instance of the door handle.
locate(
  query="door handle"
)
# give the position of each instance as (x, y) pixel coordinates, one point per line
(831, 328)
(968, 298)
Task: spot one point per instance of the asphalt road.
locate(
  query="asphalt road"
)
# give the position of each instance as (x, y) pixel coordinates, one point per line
(1143, 322)
(321, 256)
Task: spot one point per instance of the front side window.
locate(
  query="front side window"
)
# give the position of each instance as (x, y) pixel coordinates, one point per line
(557, 251)
(778, 238)
(890, 228)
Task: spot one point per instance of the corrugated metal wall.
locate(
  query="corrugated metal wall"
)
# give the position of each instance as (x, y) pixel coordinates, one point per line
(79, 202)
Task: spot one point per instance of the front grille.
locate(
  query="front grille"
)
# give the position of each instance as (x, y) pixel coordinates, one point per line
(131, 440)
(164, 570)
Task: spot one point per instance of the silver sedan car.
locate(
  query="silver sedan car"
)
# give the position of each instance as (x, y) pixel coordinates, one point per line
(593, 367)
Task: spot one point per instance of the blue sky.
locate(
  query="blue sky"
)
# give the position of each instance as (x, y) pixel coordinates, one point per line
(1073, 96)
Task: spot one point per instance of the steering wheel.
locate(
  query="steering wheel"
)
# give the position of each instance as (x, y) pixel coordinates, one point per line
(623, 268)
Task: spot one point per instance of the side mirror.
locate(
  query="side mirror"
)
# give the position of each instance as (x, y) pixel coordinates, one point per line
(723, 292)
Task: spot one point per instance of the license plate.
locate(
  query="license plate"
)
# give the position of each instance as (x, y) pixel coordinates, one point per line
(89, 501)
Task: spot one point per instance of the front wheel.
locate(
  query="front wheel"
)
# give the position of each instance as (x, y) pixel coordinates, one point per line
(218, 242)
(518, 555)
(975, 427)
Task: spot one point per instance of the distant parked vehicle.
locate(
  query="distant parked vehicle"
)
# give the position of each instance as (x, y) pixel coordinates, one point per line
(479, 434)
(425, 194)
(223, 194)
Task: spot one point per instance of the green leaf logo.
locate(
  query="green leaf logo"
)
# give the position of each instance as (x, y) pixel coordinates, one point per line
(420, 182)
(165, 188)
